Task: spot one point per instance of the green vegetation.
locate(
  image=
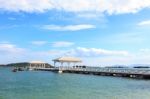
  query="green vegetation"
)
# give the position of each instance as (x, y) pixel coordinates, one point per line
(22, 64)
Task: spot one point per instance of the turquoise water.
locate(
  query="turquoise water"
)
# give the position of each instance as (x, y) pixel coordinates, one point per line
(48, 85)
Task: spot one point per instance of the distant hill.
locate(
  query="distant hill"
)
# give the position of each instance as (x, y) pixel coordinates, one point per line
(22, 64)
(2, 65)
(117, 66)
(140, 65)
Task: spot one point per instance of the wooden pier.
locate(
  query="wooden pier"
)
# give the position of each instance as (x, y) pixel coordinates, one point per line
(117, 72)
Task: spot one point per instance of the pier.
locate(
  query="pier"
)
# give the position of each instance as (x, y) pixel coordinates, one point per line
(137, 73)
(116, 72)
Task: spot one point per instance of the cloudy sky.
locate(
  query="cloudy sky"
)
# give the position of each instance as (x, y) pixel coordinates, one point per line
(100, 32)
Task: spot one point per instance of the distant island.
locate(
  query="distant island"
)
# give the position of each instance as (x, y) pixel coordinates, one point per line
(21, 64)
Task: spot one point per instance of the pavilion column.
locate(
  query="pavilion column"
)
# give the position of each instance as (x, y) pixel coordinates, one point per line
(54, 63)
(68, 64)
(67, 60)
(74, 63)
(62, 64)
(44, 65)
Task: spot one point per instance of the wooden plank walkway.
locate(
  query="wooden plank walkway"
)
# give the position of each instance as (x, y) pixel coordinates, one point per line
(117, 72)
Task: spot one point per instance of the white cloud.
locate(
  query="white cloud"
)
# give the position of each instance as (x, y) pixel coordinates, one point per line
(7, 48)
(94, 52)
(68, 27)
(11, 18)
(101, 6)
(62, 44)
(91, 56)
(8, 26)
(102, 57)
(90, 15)
(145, 50)
(39, 43)
(10, 53)
(25, 5)
(143, 23)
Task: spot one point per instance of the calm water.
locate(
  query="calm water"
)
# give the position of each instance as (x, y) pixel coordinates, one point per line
(48, 85)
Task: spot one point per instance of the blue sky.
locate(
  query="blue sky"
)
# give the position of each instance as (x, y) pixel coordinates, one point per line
(100, 32)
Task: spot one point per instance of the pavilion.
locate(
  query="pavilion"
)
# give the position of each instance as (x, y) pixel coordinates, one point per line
(67, 60)
(36, 64)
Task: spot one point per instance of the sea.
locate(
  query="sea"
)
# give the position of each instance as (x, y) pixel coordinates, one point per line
(50, 85)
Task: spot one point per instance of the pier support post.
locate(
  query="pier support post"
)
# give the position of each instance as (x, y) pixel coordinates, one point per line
(62, 64)
(54, 63)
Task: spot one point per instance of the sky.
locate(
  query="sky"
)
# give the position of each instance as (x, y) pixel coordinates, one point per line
(100, 32)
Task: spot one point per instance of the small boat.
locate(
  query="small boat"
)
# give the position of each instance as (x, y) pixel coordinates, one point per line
(20, 69)
(14, 70)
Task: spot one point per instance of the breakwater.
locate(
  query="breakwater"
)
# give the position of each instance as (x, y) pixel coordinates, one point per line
(117, 72)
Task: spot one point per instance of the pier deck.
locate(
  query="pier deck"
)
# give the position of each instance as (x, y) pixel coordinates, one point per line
(117, 72)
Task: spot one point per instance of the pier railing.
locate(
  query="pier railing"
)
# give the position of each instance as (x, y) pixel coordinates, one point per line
(119, 72)
(105, 70)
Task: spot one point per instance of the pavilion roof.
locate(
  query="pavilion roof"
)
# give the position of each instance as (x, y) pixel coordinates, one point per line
(37, 62)
(67, 59)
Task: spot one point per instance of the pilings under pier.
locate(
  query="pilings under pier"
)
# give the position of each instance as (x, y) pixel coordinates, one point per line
(130, 73)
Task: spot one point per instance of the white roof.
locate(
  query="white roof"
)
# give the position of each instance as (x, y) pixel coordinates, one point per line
(67, 59)
(37, 62)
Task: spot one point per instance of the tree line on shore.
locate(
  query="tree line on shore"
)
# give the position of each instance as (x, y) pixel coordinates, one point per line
(22, 64)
